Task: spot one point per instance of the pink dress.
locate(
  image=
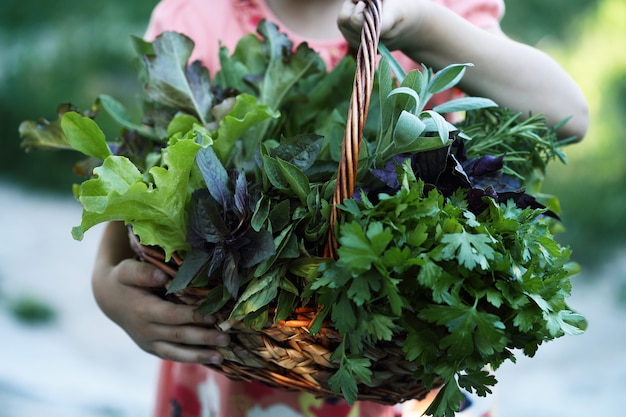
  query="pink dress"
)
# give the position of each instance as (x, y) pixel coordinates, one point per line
(189, 390)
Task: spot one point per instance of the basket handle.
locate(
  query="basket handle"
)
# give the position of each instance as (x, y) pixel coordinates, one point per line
(357, 115)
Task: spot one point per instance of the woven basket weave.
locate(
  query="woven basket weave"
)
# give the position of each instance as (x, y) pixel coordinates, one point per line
(285, 354)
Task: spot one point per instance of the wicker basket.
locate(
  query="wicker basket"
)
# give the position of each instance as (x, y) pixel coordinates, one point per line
(285, 354)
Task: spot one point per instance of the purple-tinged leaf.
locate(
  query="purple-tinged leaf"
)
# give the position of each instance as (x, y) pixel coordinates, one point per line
(171, 82)
(206, 223)
(218, 256)
(389, 173)
(200, 85)
(430, 165)
(230, 274)
(194, 263)
(260, 248)
(242, 197)
(487, 164)
(453, 178)
(215, 176)
(44, 134)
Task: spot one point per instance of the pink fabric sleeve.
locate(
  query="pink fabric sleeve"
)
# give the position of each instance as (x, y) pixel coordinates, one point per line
(207, 22)
(482, 13)
(213, 22)
(169, 15)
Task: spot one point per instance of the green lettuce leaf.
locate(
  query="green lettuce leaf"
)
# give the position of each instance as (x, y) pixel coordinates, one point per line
(157, 212)
(246, 113)
(171, 81)
(85, 135)
(44, 134)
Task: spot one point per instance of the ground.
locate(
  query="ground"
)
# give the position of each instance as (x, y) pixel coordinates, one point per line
(82, 365)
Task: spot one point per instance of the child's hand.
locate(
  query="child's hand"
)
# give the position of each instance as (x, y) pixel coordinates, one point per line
(512, 74)
(122, 287)
(401, 22)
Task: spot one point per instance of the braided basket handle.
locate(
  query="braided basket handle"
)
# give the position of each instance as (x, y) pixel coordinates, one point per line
(357, 115)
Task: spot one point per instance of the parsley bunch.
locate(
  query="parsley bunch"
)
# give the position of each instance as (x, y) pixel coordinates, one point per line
(457, 291)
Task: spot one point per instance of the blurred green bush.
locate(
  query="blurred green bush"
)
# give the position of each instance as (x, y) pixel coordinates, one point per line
(592, 188)
(64, 51)
(531, 21)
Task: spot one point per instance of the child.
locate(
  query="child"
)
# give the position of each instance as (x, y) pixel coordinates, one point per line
(433, 32)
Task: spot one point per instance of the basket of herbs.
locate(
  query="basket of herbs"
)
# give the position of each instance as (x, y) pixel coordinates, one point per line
(377, 256)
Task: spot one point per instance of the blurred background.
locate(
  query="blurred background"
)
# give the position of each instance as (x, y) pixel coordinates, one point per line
(60, 356)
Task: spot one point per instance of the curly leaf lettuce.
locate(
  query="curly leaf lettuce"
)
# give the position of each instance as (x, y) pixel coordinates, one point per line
(157, 210)
(45, 134)
(245, 114)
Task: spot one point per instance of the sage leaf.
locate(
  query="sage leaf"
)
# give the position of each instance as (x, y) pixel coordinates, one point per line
(443, 128)
(393, 64)
(408, 129)
(409, 92)
(465, 104)
(447, 78)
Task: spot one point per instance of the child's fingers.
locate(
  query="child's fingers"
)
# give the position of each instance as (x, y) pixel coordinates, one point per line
(139, 274)
(186, 354)
(191, 336)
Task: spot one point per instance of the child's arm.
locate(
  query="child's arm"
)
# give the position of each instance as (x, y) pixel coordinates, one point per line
(122, 288)
(512, 74)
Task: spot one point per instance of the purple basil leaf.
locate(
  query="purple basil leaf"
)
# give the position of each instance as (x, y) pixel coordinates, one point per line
(230, 274)
(217, 259)
(496, 180)
(194, 263)
(487, 164)
(458, 170)
(430, 165)
(206, 224)
(453, 178)
(214, 175)
(475, 200)
(389, 173)
(523, 200)
(242, 197)
(238, 241)
(359, 193)
(260, 248)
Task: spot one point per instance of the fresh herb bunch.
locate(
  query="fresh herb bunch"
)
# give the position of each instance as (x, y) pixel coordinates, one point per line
(442, 249)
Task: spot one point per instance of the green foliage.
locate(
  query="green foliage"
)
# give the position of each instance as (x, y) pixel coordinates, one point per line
(62, 51)
(591, 189)
(438, 249)
(480, 286)
(532, 20)
(41, 38)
